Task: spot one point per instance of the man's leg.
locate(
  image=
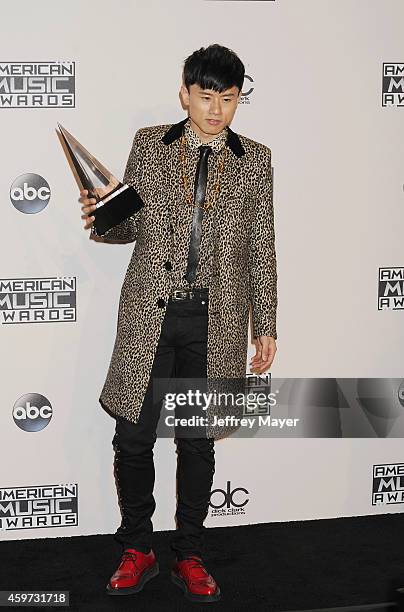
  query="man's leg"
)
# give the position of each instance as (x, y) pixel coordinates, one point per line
(196, 466)
(195, 456)
(134, 457)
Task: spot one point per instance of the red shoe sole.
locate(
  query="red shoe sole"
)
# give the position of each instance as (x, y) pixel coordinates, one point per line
(146, 576)
(192, 596)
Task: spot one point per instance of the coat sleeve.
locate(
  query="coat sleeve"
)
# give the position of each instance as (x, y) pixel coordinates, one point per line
(262, 256)
(126, 231)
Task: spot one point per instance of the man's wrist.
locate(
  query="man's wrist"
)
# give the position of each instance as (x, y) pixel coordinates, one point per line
(271, 333)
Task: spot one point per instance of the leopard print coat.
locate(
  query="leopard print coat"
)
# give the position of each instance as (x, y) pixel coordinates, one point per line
(243, 276)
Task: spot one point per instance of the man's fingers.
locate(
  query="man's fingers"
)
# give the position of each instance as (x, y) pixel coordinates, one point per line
(87, 217)
(258, 352)
(87, 201)
(266, 363)
(263, 358)
(260, 368)
(90, 222)
(88, 208)
(89, 205)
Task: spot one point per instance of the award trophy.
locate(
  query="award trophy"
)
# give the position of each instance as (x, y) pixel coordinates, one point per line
(115, 201)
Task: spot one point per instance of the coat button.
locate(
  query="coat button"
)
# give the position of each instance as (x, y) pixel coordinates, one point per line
(168, 265)
(161, 303)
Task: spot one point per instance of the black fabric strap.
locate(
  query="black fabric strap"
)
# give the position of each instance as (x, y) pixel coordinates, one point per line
(199, 198)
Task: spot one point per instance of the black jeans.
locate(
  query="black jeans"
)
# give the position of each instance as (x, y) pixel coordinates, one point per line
(181, 352)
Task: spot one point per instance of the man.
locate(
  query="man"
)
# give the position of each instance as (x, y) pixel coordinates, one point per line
(204, 255)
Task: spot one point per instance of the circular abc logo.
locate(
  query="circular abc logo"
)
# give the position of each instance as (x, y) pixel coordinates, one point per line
(401, 393)
(32, 412)
(249, 88)
(30, 193)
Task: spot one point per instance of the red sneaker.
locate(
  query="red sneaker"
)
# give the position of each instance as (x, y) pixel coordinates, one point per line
(134, 570)
(194, 579)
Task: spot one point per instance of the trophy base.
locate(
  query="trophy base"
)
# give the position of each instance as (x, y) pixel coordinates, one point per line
(115, 208)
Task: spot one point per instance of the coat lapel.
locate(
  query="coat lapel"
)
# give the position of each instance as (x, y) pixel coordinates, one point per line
(172, 171)
(176, 130)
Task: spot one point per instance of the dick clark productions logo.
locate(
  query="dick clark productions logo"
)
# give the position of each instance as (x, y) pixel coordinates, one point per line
(229, 501)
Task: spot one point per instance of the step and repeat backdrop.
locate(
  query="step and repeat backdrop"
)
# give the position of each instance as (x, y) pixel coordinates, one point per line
(324, 89)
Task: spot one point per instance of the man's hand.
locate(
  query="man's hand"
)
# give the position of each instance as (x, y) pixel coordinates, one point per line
(265, 349)
(89, 206)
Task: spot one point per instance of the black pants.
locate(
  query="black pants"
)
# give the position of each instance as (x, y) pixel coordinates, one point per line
(181, 352)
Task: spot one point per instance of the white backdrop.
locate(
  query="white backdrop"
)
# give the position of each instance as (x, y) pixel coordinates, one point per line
(315, 67)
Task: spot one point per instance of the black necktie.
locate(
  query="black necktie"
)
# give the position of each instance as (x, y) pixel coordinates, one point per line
(199, 198)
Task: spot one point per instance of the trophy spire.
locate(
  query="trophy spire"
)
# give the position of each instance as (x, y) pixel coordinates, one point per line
(101, 184)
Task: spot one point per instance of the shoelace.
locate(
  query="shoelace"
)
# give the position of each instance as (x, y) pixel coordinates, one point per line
(197, 564)
(128, 556)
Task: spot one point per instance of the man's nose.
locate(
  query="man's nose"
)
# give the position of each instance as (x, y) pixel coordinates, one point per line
(216, 107)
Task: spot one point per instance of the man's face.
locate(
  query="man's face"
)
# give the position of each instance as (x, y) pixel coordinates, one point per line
(210, 111)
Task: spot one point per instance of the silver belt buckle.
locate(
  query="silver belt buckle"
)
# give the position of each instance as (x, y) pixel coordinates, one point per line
(181, 294)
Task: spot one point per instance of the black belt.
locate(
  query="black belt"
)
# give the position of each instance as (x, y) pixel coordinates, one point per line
(188, 294)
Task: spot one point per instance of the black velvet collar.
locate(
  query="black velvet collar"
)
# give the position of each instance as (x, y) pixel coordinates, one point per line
(233, 141)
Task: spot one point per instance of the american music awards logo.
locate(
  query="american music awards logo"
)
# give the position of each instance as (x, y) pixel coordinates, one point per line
(39, 506)
(391, 288)
(393, 84)
(388, 484)
(38, 300)
(37, 84)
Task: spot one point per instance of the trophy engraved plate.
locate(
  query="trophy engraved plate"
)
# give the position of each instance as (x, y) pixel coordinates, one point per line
(115, 201)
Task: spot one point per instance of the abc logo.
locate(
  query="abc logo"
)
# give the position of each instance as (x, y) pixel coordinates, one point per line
(30, 193)
(249, 91)
(32, 412)
(228, 498)
(401, 394)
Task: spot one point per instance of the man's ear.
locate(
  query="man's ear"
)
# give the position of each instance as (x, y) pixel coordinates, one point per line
(184, 93)
(184, 97)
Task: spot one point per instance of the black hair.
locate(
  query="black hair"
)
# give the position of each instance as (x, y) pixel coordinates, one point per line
(214, 67)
